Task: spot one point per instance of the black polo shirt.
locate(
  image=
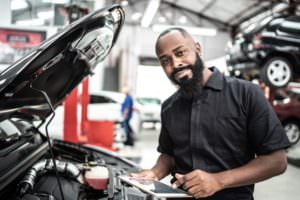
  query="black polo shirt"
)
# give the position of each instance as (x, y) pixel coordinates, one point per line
(221, 129)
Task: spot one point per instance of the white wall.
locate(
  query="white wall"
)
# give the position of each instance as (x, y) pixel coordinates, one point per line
(153, 82)
(136, 41)
(143, 40)
(5, 11)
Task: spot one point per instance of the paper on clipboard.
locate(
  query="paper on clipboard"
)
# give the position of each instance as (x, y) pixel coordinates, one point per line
(155, 188)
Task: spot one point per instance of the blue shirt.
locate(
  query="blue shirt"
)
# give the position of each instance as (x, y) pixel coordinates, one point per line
(127, 104)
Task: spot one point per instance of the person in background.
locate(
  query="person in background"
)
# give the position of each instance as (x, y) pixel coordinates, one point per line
(126, 110)
(219, 134)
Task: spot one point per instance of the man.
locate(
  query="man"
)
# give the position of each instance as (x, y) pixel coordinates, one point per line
(219, 135)
(127, 108)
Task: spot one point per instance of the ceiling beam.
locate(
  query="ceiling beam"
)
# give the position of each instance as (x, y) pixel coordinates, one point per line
(257, 12)
(220, 24)
(208, 5)
(242, 12)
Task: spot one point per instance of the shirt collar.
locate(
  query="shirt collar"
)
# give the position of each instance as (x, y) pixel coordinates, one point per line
(215, 81)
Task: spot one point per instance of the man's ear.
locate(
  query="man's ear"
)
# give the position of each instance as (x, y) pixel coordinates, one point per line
(198, 48)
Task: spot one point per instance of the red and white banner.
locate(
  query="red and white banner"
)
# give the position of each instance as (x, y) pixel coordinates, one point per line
(15, 43)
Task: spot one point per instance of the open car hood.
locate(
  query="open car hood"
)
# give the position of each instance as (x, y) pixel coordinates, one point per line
(58, 65)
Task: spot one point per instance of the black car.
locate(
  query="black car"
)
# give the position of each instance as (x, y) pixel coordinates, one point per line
(269, 49)
(33, 167)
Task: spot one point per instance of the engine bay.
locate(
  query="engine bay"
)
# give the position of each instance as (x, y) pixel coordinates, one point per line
(29, 172)
(33, 166)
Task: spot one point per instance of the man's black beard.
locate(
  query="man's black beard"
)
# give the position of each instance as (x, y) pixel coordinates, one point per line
(189, 87)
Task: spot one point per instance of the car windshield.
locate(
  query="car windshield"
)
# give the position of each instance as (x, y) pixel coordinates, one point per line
(148, 101)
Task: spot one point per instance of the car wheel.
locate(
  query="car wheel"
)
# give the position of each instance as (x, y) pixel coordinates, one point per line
(277, 72)
(292, 130)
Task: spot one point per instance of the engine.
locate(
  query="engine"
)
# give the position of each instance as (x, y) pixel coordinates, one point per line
(31, 170)
(78, 181)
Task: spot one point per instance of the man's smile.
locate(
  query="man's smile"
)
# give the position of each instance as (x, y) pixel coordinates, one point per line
(183, 73)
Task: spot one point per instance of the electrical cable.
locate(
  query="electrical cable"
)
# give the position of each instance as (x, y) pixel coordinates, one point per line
(48, 139)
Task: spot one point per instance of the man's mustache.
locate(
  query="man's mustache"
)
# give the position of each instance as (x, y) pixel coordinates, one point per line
(179, 69)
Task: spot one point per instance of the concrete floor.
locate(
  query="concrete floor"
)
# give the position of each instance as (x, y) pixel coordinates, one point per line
(283, 187)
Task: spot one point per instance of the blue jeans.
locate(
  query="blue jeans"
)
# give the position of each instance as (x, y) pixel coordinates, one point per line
(129, 134)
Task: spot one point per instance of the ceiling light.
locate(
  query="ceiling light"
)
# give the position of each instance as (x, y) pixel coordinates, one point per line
(169, 14)
(182, 20)
(18, 4)
(31, 22)
(150, 12)
(162, 19)
(136, 16)
(46, 14)
(56, 1)
(124, 3)
(190, 29)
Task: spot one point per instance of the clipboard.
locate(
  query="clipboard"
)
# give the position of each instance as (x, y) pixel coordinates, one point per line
(155, 188)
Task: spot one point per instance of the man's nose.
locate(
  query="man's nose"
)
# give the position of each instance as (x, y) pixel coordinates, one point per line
(177, 63)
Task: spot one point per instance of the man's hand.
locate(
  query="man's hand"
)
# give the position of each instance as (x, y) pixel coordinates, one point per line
(145, 174)
(162, 168)
(198, 183)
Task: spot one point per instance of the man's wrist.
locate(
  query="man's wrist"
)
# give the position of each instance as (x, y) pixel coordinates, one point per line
(158, 173)
(155, 172)
(222, 180)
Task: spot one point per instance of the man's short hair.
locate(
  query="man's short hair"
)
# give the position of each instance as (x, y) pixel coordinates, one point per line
(181, 30)
(165, 32)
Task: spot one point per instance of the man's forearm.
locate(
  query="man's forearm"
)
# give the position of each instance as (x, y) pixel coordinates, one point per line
(163, 166)
(259, 169)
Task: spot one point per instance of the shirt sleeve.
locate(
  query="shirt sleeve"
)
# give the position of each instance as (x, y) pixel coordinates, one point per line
(165, 144)
(264, 128)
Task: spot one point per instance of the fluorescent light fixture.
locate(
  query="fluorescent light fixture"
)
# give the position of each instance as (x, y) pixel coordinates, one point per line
(18, 4)
(190, 29)
(136, 16)
(124, 3)
(169, 14)
(182, 20)
(56, 1)
(162, 19)
(31, 22)
(150, 13)
(46, 14)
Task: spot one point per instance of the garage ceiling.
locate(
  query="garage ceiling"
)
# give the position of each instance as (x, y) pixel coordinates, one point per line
(224, 15)
(229, 12)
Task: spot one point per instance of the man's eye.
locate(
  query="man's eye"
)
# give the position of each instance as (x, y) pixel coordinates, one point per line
(179, 53)
(164, 61)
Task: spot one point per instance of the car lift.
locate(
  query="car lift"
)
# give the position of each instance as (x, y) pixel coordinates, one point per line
(78, 128)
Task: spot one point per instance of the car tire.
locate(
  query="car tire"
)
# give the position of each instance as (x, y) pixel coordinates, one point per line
(277, 72)
(292, 130)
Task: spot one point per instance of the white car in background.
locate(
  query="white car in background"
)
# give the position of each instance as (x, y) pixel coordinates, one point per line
(7, 54)
(149, 110)
(106, 105)
(103, 106)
